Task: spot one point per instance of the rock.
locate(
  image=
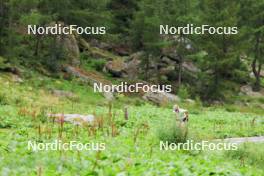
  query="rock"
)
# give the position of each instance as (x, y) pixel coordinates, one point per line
(190, 67)
(161, 97)
(218, 103)
(168, 61)
(190, 101)
(62, 93)
(121, 50)
(115, 67)
(131, 69)
(125, 67)
(261, 106)
(247, 89)
(170, 52)
(17, 79)
(99, 44)
(137, 55)
(95, 51)
(76, 119)
(70, 46)
(109, 96)
(253, 76)
(14, 70)
(167, 70)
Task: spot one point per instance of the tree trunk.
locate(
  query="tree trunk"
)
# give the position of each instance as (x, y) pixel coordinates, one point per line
(256, 70)
(147, 66)
(180, 73)
(256, 64)
(37, 45)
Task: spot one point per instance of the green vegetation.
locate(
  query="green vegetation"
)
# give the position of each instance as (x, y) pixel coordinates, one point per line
(217, 78)
(132, 146)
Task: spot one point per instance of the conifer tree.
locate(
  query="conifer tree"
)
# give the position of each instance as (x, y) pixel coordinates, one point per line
(222, 50)
(252, 14)
(123, 13)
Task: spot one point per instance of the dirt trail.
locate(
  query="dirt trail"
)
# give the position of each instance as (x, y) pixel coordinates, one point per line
(258, 139)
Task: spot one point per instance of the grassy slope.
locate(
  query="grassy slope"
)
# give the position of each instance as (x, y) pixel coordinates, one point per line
(134, 148)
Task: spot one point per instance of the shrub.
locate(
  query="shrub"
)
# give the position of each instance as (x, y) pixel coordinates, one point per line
(3, 99)
(249, 153)
(98, 64)
(261, 100)
(3, 64)
(183, 92)
(92, 63)
(172, 132)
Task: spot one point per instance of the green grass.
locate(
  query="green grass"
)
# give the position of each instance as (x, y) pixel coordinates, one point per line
(132, 147)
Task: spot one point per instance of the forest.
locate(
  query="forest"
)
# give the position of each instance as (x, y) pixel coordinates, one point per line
(209, 54)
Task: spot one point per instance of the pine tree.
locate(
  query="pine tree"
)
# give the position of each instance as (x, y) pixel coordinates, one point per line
(253, 20)
(221, 50)
(123, 13)
(3, 24)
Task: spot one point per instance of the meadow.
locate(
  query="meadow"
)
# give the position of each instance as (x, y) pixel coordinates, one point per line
(132, 145)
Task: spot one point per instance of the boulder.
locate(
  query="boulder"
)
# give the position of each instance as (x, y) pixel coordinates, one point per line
(99, 44)
(168, 61)
(115, 67)
(171, 53)
(6, 67)
(121, 50)
(247, 89)
(109, 96)
(161, 97)
(63, 93)
(167, 70)
(190, 101)
(17, 79)
(137, 55)
(126, 67)
(76, 119)
(70, 47)
(190, 67)
(131, 69)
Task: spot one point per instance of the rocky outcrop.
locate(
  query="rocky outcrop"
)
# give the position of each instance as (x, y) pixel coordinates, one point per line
(95, 51)
(70, 47)
(125, 67)
(116, 67)
(190, 67)
(132, 68)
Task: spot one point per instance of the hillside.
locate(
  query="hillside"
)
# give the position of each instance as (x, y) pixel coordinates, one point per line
(132, 146)
(124, 87)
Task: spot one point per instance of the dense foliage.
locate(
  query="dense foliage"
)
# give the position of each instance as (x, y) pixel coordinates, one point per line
(135, 25)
